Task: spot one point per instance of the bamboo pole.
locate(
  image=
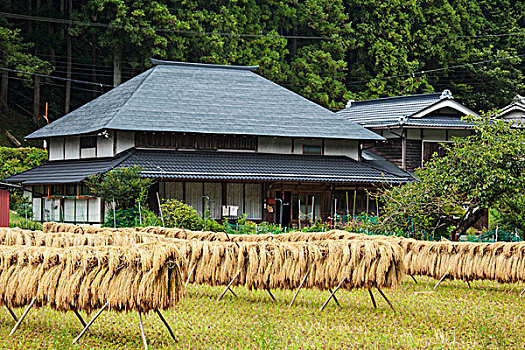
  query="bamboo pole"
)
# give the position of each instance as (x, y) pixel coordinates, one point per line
(388, 301)
(142, 332)
(22, 317)
(335, 299)
(90, 323)
(12, 313)
(228, 286)
(79, 317)
(298, 289)
(189, 276)
(167, 325)
(372, 297)
(441, 280)
(332, 295)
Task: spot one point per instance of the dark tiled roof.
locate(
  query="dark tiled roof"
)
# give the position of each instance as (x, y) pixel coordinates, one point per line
(197, 165)
(388, 110)
(200, 98)
(397, 111)
(257, 167)
(433, 121)
(66, 171)
(376, 161)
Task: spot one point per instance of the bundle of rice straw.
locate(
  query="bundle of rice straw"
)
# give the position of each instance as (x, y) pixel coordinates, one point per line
(15, 236)
(140, 277)
(270, 264)
(278, 265)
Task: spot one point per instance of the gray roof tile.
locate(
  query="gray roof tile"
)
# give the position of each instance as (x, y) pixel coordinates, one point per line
(387, 112)
(178, 97)
(242, 166)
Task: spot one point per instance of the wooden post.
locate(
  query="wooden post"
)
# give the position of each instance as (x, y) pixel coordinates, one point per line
(404, 150)
(22, 317)
(166, 324)
(142, 332)
(441, 280)
(90, 323)
(372, 297)
(228, 286)
(36, 98)
(298, 289)
(388, 301)
(270, 292)
(335, 299)
(80, 318)
(332, 295)
(189, 276)
(12, 313)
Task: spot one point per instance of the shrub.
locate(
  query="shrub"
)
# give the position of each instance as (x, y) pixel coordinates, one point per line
(178, 214)
(123, 185)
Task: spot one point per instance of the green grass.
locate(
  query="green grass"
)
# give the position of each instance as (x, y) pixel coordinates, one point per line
(16, 220)
(488, 316)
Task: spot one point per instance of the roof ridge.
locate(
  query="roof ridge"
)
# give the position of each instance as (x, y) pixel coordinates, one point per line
(202, 65)
(396, 97)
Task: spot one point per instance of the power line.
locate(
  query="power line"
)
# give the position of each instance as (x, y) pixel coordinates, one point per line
(162, 30)
(57, 78)
(437, 69)
(204, 33)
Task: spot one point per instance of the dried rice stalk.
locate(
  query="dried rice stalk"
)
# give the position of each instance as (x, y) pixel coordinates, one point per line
(140, 277)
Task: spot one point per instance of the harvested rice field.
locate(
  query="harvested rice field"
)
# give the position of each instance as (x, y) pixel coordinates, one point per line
(490, 315)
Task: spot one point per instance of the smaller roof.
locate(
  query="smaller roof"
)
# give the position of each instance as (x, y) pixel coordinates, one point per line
(66, 171)
(403, 110)
(220, 166)
(514, 111)
(433, 121)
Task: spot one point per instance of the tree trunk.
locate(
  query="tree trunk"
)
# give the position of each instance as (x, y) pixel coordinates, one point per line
(36, 99)
(69, 64)
(94, 65)
(68, 74)
(29, 12)
(4, 87)
(467, 223)
(51, 32)
(117, 65)
(62, 12)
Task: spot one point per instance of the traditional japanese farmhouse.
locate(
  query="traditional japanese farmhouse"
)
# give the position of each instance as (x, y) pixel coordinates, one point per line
(414, 125)
(215, 137)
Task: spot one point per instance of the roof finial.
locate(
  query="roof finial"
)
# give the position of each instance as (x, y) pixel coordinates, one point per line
(349, 103)
(446, 94)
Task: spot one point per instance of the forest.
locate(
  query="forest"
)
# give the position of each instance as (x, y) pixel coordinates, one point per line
(58, 54)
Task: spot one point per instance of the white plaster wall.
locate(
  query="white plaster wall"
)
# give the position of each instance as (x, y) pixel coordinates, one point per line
(56, 148)
(105, 146)
(347, 148)
(280, 145)
(434, 134)
(88, 152)
(94, 210)
(72, 149)
(298, 144)
(125, 140)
